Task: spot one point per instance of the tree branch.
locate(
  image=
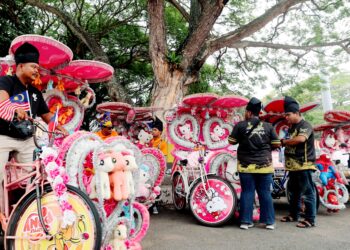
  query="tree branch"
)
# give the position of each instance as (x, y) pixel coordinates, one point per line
(247, 30)
(181, 9)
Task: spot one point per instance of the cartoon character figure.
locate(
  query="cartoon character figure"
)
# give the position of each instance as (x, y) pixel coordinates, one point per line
(118, 178)
(107, 160)
(217, 133)
(144, 138)
(216, 204)
(120, 236)
(144, 179)
(186, 132)
(131, 166)
(324, 164)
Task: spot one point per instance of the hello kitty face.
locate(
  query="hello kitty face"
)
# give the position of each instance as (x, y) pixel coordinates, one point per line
(144, 137)
(216, 204)
(144, 174)
(186, 131)
(217, 133)
(330, 141)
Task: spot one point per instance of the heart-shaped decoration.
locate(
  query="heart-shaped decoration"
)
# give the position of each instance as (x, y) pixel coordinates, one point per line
(71, 112)
(216, 133)
(184, 131)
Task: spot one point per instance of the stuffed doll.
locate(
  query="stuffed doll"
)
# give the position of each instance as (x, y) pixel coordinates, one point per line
(131, 166)
(324, 164)
(120, 235)
(144, 179)
(106, 164)
(144, 139)
(118, 178)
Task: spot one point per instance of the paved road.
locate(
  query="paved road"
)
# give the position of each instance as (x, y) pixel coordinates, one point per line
(171, 230)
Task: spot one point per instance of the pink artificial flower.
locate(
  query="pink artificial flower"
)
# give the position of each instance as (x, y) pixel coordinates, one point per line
(65, 205)
(54, 173)
(48, 159)
(60, 189)
(65, 179)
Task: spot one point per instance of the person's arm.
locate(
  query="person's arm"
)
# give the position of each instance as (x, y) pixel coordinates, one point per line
(47, 117)
(232, 139)
(275, 142)
(303, 134)
(21, 114)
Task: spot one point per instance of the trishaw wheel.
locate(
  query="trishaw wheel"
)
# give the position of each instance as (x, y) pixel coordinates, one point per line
(179, 192)
(214, 202)
(85, 233)
(140, 223)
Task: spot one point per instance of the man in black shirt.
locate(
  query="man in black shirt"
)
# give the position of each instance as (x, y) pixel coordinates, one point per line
(27, 69)
(299, 161)
(256, 140)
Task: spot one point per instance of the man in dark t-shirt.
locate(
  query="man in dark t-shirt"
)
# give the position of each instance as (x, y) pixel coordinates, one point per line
(256, 140)
(27, 69)
(299, 161)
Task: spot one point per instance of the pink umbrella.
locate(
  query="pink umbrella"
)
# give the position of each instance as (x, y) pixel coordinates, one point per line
(53, 54)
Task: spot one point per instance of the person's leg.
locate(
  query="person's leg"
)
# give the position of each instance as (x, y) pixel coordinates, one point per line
(25, 151)
(309, 194)
(293, 187)
(247, 198)
(6, 146)
(263, 184)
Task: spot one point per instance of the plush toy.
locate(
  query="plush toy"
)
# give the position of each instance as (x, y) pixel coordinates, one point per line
(120, 236)
(324, 164)
(118, 178)
(107, 160)
(144, 179)
(186, 132)
(217, 133)
(131, 166)
(144, 138)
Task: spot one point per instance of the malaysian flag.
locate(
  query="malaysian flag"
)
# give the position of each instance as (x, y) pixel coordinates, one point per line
(53, 124)
(8, 107)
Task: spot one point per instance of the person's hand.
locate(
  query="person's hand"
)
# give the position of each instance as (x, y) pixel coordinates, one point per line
(63, 130)
(21, 114)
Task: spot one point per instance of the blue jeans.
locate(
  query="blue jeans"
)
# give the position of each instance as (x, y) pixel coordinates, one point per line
(299, 185)
(262, 184)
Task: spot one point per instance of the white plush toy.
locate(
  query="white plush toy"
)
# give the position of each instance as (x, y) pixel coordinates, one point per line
(120, 235)
(186, 131)
(144, 178)
(217, 133)
(131, 166)
(105, 165)
(144, 137)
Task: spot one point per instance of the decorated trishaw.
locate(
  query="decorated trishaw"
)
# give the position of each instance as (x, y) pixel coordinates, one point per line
(333, 163)
(82, 192)
(204, 172)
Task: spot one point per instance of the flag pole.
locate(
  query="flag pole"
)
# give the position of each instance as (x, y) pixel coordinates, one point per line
(30, 107)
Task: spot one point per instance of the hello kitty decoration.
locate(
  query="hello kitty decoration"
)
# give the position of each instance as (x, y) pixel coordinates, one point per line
(204, 118)
(216, 133)
(144, 138)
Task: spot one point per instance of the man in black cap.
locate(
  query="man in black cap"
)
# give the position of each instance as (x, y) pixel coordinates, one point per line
(299, 161)
(256, 140)
(27, 69)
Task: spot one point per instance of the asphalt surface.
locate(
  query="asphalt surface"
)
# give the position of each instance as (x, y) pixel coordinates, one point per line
(172, 230)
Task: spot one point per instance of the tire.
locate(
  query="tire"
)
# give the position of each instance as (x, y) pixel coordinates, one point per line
(86, 232)
(215, 210)
(140, 223)
(178, 192)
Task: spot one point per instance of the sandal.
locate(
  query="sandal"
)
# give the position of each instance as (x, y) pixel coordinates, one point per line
(305, 224)
(288, 218)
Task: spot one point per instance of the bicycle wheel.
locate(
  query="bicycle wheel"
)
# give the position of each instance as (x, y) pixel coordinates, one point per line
(140, 222)
(178, 191)
(214, 202)
(85, 233)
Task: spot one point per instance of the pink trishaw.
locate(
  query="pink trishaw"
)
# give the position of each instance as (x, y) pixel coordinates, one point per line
(204, 172)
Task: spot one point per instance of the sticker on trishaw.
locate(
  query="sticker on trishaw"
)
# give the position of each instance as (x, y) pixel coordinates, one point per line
(72, 237)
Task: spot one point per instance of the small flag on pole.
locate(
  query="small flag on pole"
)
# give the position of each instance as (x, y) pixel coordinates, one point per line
(9, 106)
(53, 123)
